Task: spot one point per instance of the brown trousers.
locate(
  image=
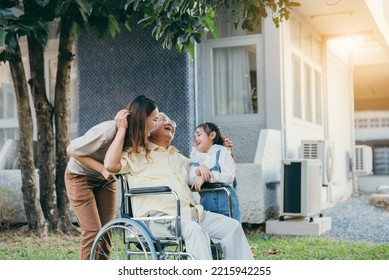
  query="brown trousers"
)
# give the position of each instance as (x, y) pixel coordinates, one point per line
(94, 206)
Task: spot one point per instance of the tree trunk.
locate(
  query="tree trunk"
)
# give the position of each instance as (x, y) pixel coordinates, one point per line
(44, 114)
(62, 118)
(32, 208)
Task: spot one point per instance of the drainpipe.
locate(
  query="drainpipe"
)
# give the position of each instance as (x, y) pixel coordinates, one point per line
(352, 120)
(325, 108)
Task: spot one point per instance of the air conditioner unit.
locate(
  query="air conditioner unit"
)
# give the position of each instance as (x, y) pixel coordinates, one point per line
(300, 187)
(363, 163)
(323, 150)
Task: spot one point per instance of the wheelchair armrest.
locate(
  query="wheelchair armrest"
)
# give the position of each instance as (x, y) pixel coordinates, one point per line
(148, 190)
(208, 186)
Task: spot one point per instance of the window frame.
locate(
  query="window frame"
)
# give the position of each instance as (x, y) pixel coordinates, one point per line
(209, 98)
(305, 49)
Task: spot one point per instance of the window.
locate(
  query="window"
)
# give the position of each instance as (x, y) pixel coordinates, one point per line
(381, 160)
(8, 114)
(232, 78)
(306, 74)
(385, 122)
(318, 98)
(234, 87)
(7, 100)
(296, 77)
(308, 93)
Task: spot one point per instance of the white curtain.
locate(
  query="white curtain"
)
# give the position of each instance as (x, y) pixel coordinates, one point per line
(231, 77)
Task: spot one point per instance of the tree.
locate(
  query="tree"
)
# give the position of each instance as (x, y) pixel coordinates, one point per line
(175, 24)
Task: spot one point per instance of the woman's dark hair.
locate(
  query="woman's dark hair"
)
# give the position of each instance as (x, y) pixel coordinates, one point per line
(140, 108)
(208, 127)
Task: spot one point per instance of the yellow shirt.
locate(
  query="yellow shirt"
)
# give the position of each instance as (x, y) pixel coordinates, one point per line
(166, 167)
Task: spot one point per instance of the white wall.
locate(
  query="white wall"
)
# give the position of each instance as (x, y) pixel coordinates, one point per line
(338, 125)
(340, 122)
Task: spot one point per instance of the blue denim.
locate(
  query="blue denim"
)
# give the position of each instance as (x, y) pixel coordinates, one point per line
(217, 201)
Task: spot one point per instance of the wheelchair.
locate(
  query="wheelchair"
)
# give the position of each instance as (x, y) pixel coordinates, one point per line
(147, 238)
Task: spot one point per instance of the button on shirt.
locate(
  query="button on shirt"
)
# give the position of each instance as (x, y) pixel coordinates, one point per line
(163, 167)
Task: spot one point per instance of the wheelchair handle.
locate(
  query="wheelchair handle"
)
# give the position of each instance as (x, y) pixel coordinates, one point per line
(106, 183)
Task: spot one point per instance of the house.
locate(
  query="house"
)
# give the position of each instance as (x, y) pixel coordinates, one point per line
(304, 79)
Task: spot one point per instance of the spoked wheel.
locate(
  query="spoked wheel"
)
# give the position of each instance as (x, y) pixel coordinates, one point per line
(123, 239)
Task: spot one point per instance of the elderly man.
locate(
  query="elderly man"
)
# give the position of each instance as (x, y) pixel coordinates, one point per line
(164, 165)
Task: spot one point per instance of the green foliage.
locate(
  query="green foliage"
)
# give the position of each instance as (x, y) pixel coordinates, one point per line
(248, 13)
(177, 24)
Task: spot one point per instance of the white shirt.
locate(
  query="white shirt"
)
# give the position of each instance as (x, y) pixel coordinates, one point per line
(94, 143)
(226, 162)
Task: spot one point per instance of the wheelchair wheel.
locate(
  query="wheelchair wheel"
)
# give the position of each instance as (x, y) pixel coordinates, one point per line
(123, 239)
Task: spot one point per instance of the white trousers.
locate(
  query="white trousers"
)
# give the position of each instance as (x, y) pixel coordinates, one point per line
(221, 229)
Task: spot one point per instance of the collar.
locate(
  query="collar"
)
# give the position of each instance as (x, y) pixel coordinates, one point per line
(170, 149)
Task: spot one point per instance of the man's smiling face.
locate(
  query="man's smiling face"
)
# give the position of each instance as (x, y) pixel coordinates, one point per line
(163, 134)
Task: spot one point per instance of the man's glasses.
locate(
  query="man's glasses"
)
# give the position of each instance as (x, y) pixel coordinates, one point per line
(166, 120)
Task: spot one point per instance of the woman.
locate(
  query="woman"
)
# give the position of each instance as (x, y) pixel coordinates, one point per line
(91, 189)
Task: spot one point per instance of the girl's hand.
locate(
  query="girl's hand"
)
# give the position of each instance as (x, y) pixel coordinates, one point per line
(197, 184)
(204, 173)
(121, 118)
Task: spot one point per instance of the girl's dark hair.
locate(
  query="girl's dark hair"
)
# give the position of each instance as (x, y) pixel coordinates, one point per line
(140, 108)
(208, 127)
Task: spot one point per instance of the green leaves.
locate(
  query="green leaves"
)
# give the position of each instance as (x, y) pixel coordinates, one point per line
(281, 10)
(176, 24)
(42, 3)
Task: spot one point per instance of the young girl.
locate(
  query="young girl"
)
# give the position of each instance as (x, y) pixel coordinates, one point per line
(212, 162)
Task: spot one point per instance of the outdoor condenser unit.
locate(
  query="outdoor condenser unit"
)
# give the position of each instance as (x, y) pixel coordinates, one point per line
(300, 187)
(323, 150)
(363, 160)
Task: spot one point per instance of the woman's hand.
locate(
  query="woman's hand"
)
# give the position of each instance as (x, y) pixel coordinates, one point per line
(108, 175)
(121, 118)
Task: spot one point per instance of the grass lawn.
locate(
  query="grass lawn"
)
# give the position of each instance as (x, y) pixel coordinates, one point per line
(20, 244)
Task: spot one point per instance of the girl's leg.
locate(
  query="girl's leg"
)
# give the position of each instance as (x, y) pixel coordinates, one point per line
(209, 200)
(217, 202)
